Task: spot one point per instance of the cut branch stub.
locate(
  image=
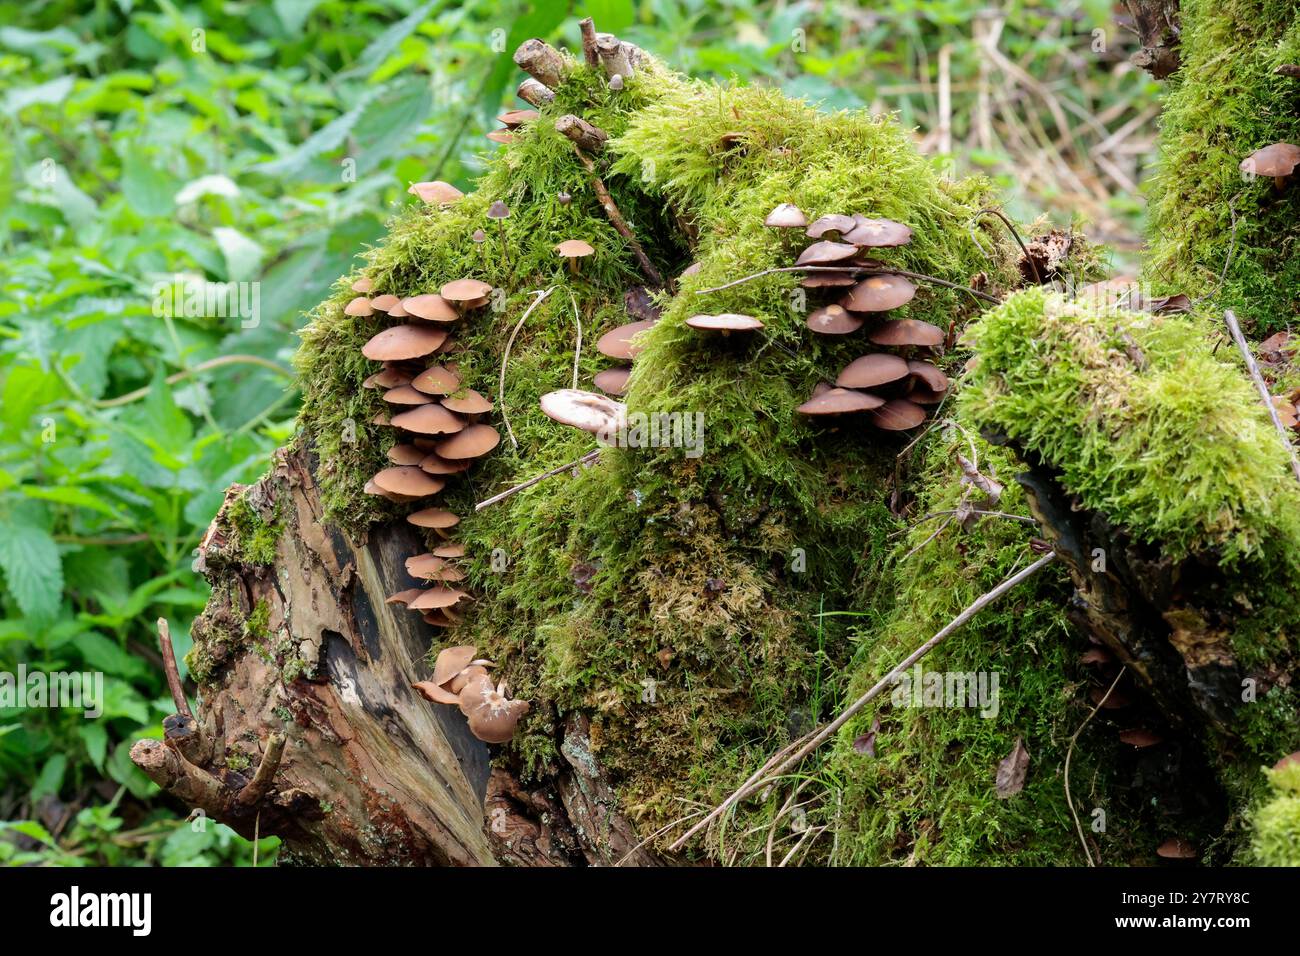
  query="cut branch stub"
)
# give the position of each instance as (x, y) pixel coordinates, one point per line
(616, 57)
(543, 62)
(534, 93)
(588, 137)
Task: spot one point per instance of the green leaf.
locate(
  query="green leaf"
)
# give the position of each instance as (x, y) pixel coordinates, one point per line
(148, 190)
(51, 777)
(243, 255)
(388, 41)
(33, 570)
(95, 738)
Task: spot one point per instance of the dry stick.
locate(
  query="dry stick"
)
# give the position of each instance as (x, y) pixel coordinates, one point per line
(590, 456)
(618, 222)
(171, 670)
(1070, 752)
(861, 270)
(1267, 399)
(577, 348)
(501, 385)
(805, 745)
(1015, 234)
(258, 787)
(589, 53)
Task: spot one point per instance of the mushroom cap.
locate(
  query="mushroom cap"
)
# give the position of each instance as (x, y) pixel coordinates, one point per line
(451, 661)
(1140, 737)
(492, 717)
(838, 401)
(370, 488)
(381, 418)
(405, 455)
(868, 371)
(830, 223)
(403, 342)
(478, 235)
(1278, 159)
(513, 118)
(786, 216)
(363, 285)
(464, 290)
(617, 343)
(449, 550)
(431, 307)
(574, 249)
(436, 597)
(472, 671)
(879, 294)
(435, 694)
(877, 233)
(692, 270)
(613, 381)
(1177, 849)
(432, 566)
(501, 136)
(386, 378)
(586, 411)
(405, 395)
(435, 464)
(403, 597)
(408, 480)
(433, 518)
(907, 332)
(833, 320)
(822, 280)
(431, 419)
(825, 253)
(383, 303)
(358, 306)
(473, 442)
(437, 380)
(470, 403)
(928, 374)
(725, 322)
(897, 415)
(498, 210)
(437, 619)
(435, 193)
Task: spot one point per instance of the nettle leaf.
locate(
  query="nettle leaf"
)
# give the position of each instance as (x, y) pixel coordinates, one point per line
(33, 569)
(243, 256)
(148, 190)
(94, 737)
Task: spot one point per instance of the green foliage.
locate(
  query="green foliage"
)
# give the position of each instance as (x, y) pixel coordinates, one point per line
(1275, 825)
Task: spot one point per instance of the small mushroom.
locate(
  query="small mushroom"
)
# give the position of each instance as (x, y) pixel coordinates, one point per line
(468, 293)
(470, 403)
(479, 236)
(386, 379)
(358, 306)
(1140, 738)
(473, 442)
(613, 381)
(405, 455)
(897, 415)
(877, 233)
(907, 332)
(362, 285)
(371, 488)
(726, 323)
(492, 716)
(408, 481)
(436, 597)
(435, 464)
(438, 519)
(437, 380)
(500, 212)
(436, 193)
(1277, 161)
(616, 82)
(432, 692)
(839, 401)
(929, 383)
(431, 419)
(823, 280)
(431, 308)
(574, 250)
(404, 597)
(879, 294)
(451, 661)
(402, 342)
(832, 223)
(504, 137)
(434, 568)
(382, 303)
(450, 551)
(617, 343)
(563, 198)
(406, 395)
(786, 216)
(584, 410)
(1176, 848)
(868, 371)
(515, 118)
(825, 253)
(833, 320)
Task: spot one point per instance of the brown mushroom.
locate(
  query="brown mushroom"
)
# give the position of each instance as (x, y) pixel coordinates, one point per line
(1277, 161)
(435, 694)
(434, 568)
(823, 280)
(574, 250)
(362, 285)
(1140, 738)
(786, 216)
(897, 415)
(726, 323)
(907, 332)
(613, 381)
(436, 193)
(467, 292)
(404, 597)
(431, 419)
(830, 223)
(469, 402)
(514, 118)
(868, 371)
(930, 378)
(473, 442)
(370, 488)
(451, 661)
(833, 320)
(405, 395)
(1177, 849)
(879, 294)
(437, 380)
(430, 307)
(877, 233)
(386, 379)
(492, 716)
(586, 411)
(839, 401)
(382, 303)
(405, 455)
(359, 306)
(825, 253)
(436, 518)
(617, 343)
(436, 597)
(502, 136)
(409, 481)
(435, 464)
(473, 670)
(402, 342)
(453, 550)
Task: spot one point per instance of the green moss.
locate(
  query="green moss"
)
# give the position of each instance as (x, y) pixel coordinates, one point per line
(1222, 105)
(255, 539)
(1275, 825)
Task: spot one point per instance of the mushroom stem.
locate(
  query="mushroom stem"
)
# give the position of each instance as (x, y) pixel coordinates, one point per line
(542, 61)
(618, 222)
(583, 134)
(505, 259)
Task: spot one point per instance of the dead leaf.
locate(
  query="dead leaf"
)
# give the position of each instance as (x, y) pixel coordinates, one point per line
(866, 744)
(1011, 771)
(972, 475)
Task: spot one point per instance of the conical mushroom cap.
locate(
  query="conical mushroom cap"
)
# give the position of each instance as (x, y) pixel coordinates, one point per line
(405, 395)
(868, 371)
(830, 223)
(464, 290)
(613, 381)
(725, 322)
(436, 597)
(907, 332)
(898, 414)
(362, 285)
(1279, 159)
(403, 342)
(405, 455)
(431, 419)
(437, 380)
(430, 307)
(470, 403)
(839, 401)
(825, 253)
(785, 216)
(473, 442)
(833, 320)
(584, 410)
(617, 343)
(877, 233)
(451, 661)
(498, 210)
(436, 193)
(358, 306)
(879, 294)
(408, 480)
(433, 518)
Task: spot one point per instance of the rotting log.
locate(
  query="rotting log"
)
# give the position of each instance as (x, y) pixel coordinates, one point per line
(308, 728)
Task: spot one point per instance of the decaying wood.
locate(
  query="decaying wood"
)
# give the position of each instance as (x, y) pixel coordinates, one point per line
(1156, 22)
(542, 61)
(534, 93)
(589, 52)
(311, 730)
(584, 135)
(616, 57)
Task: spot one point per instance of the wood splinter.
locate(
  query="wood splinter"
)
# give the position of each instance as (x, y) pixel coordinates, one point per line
(589, 51)
(260, 785)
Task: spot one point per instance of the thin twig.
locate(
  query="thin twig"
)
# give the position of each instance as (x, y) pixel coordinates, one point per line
(618, 222)
(505, 358)
(857, 270)
(577, 349)
(1011, 228)
(1265, 397)
(1232, 251)
(171, 670)
(1070, 752)
(937, 531)
(780, 762)
(590, 456)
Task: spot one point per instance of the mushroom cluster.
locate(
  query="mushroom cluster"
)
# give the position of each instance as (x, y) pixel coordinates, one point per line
(461, 680)
(442, 432)
(893, 388)
(621, 344)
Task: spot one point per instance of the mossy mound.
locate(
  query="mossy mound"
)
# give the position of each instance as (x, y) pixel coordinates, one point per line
(670, 593)
(1275, 825)
(1223, 104)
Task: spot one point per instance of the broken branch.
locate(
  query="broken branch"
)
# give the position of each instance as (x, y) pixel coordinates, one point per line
(618, 222)
(171, 670)
(1253, 367)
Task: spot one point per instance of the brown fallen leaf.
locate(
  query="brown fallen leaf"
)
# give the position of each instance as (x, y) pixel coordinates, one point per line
(866, 744)
(972, 475)
(1011, 771)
